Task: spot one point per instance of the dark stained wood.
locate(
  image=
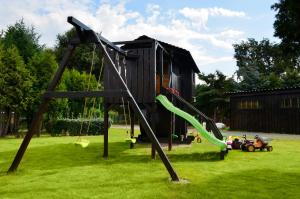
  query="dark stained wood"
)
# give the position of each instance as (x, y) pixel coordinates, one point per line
(144, 122)
(146, 74)
(152, 73)
(131, 127)
(140, 77)
(105, 133)
(271, 116)
(133, 42)
(134, 82)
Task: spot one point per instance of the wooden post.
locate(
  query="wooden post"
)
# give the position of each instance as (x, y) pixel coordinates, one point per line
(172, 129)
(105, 137)
(131, 127)
(42, 108)
(152, 123)
(161, 67)
(153, 126)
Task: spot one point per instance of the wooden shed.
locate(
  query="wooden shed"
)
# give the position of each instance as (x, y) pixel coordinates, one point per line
(157, 64)
(271, 110)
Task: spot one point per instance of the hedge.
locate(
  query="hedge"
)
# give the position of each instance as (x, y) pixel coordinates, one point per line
(72, 127)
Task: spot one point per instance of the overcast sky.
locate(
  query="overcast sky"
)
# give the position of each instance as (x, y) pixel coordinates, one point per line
(207, 28)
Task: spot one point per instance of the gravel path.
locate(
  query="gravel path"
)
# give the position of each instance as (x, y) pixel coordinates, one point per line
(250, 135)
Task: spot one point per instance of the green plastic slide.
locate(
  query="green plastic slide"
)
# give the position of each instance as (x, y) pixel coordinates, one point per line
(169, 106)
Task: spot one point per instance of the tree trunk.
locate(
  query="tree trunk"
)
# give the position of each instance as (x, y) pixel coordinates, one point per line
(2, 122)
(7, 122)
(17, 124)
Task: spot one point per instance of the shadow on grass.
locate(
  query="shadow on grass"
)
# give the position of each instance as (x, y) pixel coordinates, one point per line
(195, 157)
(259, 183)
(60, 156)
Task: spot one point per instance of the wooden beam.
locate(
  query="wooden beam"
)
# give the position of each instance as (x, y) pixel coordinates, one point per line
(133, 42)
(82, 94)
(42, 108)
(131, 127)
(105, 137)
(87, 35)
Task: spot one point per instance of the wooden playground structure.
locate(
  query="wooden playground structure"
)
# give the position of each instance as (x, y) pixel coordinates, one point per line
(134, 73)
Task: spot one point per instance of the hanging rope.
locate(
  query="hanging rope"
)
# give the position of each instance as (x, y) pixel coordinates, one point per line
(125, 74)
(85, 99)
(94, 98)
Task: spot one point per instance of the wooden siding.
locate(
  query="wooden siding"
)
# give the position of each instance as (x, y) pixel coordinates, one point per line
(271, 116)
(140, 76)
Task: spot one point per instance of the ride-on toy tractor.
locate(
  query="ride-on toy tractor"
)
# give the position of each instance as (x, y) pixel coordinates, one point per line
(257, 143)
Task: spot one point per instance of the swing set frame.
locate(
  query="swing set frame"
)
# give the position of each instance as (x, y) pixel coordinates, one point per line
(87, 35)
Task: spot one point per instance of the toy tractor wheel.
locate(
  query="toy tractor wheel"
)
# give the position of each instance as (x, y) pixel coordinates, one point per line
(269, 148)
(250, 148)
(243, 147)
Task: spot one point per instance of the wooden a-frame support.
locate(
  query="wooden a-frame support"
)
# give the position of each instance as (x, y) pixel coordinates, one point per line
(88, 35)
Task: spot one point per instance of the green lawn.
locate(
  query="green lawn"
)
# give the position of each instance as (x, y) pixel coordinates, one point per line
(53, 167)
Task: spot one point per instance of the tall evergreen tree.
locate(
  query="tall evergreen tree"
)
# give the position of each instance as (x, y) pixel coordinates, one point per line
(24, 38)
(16, 83)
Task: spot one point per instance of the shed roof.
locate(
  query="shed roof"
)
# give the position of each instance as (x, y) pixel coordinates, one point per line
(295, 89)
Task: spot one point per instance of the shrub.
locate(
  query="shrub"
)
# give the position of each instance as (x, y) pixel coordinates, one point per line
(73, 126)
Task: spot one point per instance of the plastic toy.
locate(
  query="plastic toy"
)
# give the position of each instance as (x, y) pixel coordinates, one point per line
(257, 143)
(233, 142)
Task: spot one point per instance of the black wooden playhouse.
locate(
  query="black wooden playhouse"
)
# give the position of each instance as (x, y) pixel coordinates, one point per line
(135, 72)
(158, 66)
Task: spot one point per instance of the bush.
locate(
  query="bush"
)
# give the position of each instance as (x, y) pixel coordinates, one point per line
(73, 126)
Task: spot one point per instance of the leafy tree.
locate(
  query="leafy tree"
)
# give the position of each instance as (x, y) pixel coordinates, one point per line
(287, 25)
(16, 82)
(272, 81)
(82, 56)
(291, 78)
(261, 64)
(211, 95)
(73, 80)
(24, 38)
(42, 66)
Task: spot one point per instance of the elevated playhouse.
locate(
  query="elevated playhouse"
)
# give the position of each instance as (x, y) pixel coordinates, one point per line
(154, 78)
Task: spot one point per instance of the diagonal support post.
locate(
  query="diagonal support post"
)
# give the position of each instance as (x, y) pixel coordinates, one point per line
(142, 119)
(41, 109)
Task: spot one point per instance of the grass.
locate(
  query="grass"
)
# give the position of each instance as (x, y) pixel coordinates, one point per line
(53, 167)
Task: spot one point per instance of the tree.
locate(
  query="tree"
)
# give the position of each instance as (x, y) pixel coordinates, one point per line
(291, 78)
(42, 66)
(73, 80)
(82, 56)
(261, 64)
(211, 96)
(287, 25)
(24, 38)
(16, 83)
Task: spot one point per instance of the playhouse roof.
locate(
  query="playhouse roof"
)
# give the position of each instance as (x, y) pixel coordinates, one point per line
(270, 91)
(185, 54)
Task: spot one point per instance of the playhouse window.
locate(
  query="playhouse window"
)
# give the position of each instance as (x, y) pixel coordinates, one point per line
(249, 104)
(287, 103)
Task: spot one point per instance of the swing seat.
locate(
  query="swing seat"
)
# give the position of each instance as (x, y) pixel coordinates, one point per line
(131, 140)
(82, 142)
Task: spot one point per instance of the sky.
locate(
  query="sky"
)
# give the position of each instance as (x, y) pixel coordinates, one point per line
(207, 28)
